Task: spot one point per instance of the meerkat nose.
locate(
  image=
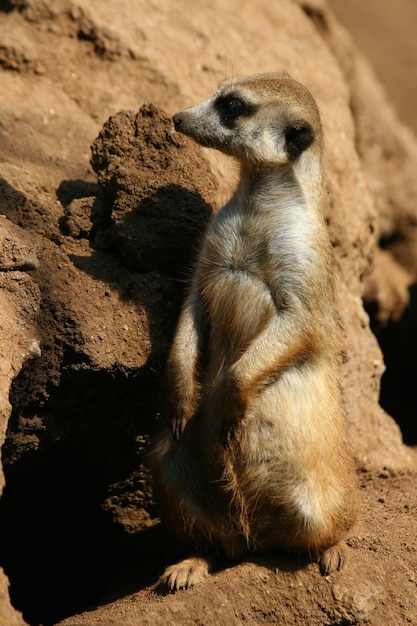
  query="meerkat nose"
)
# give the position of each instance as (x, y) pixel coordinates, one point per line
(177, 119)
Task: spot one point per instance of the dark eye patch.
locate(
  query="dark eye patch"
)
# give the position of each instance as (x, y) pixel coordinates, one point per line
(230, 108)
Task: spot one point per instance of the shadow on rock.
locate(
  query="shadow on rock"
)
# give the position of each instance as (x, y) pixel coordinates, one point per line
(398, 342)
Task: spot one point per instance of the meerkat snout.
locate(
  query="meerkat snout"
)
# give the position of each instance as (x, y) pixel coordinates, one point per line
(177, 119)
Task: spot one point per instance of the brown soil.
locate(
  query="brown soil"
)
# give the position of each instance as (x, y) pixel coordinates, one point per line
(94, 259)
(281, 589)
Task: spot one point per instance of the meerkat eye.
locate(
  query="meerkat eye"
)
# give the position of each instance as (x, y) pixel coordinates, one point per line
(233, 106)
(298, 138)
(230, 108)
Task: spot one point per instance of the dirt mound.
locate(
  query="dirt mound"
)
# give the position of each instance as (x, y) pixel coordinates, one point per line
(93, 265)
(157, 213)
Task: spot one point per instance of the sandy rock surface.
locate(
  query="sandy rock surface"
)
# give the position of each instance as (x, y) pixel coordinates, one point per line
(94, 259)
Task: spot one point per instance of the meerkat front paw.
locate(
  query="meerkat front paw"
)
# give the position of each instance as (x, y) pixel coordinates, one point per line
(333, 558)
(183, 409)
(178, 424)
(185, 574)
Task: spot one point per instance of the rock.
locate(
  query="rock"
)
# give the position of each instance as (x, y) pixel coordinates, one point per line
(19, 308)
(8, 615)
(355, 605)
(156, 223)
(78, 217)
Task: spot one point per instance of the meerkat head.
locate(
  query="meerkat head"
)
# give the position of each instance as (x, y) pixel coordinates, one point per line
(267, 118)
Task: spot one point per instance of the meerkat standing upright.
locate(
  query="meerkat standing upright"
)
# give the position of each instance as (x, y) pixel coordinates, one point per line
(257, 457)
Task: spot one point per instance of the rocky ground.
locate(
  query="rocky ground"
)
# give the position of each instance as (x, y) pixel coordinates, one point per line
(102, 206)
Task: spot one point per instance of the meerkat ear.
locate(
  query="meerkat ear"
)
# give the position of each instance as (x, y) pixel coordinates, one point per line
(298, 137)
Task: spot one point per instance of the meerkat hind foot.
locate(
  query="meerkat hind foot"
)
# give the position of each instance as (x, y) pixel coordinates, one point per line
(333, 559)
(186, 573)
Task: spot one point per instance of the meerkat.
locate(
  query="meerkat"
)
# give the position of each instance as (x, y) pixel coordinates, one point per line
(257, 456)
